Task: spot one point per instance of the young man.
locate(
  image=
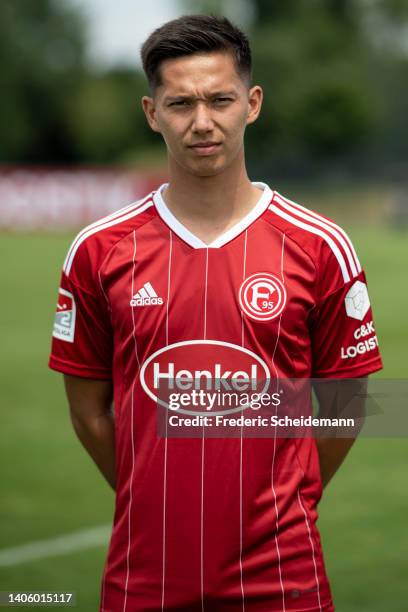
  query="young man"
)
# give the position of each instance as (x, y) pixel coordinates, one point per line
(216, 280)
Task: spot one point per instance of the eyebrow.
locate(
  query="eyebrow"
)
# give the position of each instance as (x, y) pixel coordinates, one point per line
(216, 94)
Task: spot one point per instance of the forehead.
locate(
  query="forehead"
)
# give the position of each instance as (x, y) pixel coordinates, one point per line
(198, 73)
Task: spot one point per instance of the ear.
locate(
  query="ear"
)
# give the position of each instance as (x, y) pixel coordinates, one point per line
(149, 108)
(255, 97)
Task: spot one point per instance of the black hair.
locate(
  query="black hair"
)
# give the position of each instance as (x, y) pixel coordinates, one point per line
(193, 34)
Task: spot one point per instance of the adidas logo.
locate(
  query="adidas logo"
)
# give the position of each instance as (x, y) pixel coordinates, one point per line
(146, 296)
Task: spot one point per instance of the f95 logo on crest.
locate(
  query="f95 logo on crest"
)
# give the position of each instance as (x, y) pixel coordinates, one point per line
(262, 296)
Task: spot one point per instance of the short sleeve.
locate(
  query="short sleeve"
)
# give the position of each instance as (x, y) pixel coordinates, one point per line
(343, 337)
(82, 336)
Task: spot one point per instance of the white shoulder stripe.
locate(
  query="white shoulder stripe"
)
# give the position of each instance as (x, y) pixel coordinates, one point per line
(337, 227)
(331, 229)
(318, 232)
(326, 222)
(94, 229)
(113, 215)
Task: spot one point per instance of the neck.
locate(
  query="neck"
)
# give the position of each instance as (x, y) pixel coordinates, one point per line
(214, 202)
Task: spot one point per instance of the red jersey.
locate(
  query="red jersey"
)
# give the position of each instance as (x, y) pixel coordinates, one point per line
(218, 524)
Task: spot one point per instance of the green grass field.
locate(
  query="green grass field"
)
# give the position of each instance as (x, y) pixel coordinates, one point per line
(50, 487)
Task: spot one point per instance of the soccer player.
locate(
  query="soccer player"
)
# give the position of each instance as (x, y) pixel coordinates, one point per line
(216, 279)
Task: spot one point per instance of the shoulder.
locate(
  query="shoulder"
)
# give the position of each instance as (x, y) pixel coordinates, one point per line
(324, 241)
(92, 243)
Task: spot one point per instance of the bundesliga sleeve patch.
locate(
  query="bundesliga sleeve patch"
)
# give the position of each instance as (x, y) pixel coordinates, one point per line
(64, 323)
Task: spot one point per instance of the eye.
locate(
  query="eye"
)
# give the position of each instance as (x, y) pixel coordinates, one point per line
(222, 100)
(179, 103)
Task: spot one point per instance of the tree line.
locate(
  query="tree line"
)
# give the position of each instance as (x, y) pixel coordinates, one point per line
(334, 72)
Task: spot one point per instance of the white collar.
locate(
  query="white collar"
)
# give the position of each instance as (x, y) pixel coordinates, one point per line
(195, 242)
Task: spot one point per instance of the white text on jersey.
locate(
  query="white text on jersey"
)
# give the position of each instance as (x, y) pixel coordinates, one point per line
(146, 296)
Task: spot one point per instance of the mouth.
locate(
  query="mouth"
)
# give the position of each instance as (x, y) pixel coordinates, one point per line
(205, 148)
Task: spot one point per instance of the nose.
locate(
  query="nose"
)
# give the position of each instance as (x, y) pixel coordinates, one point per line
(202, 120)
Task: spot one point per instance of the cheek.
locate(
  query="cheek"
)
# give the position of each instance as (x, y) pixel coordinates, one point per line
(170, 137)
(237, 129)
(173, 132)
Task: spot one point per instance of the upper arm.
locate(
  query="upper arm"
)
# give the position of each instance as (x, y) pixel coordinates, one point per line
(342, 399)
(82, 343)
(343, 338)
(88, 399)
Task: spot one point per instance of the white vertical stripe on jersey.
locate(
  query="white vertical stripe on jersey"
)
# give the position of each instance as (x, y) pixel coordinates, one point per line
(274, 440)
(307, 524)
(131, 425)
(95, 229)
(165, 438)
(241, 522)
(205, 293)
(106, 564)
(243, 278)
(202, 524)
(332, 229)
(107, 218)
(327, 222)
(168, 287)
(164, 515)
(203, 446)
(283, 250)
(103, 291)
(318, 232)
(241, 446)
(313, 553)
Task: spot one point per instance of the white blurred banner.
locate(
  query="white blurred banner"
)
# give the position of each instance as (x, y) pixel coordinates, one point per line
(64, 198)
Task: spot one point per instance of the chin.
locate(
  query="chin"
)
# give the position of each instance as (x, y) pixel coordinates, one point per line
(207, 170)
(206, 173)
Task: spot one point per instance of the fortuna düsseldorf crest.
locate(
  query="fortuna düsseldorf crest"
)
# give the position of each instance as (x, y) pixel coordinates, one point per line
(262, 296)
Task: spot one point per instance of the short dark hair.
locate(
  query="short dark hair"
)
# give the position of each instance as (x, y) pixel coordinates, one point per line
(193, 34)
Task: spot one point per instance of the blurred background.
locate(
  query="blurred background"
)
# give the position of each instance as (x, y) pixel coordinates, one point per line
(74, 146)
